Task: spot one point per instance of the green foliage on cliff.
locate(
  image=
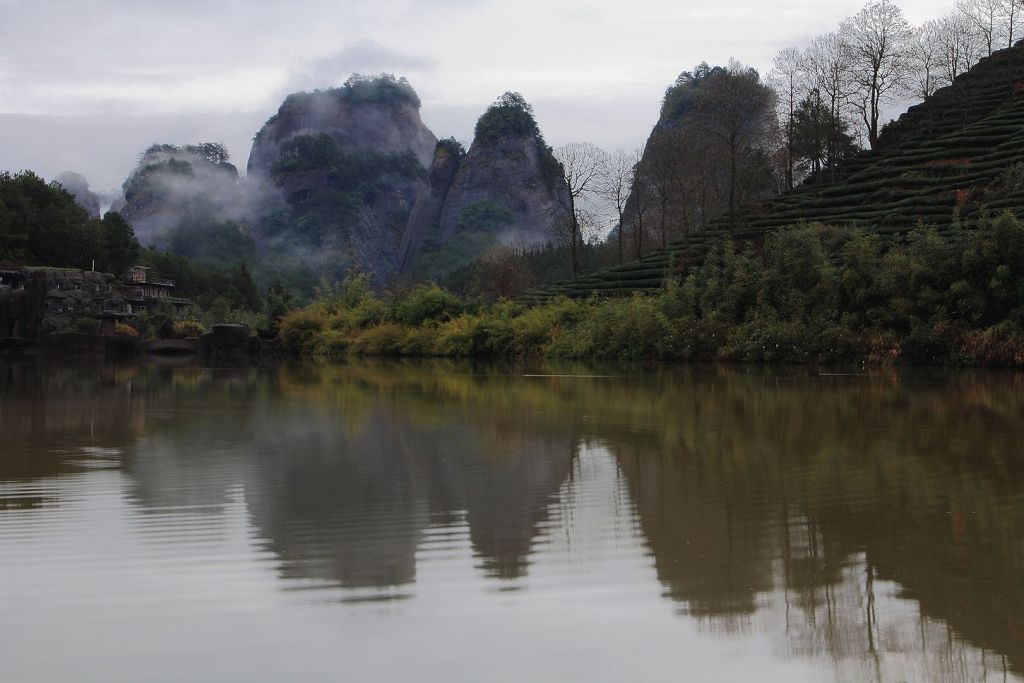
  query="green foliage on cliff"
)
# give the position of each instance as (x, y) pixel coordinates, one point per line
(436, 262)
(163, 162)
(347, 167)
(213, 244)
(509, 116)
(683, 95)
(478, 225)
(484, 215)
(349, 188)
(375, 89)
(378, 89)
(452, 147)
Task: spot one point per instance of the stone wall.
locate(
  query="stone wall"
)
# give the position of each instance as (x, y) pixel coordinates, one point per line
(54, 299)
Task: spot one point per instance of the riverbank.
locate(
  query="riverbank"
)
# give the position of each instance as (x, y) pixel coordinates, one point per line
(641, 328)
(224, 342)
(812, 294)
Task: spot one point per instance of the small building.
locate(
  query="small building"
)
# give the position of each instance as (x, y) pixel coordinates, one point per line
(147, 289)
(36, 300)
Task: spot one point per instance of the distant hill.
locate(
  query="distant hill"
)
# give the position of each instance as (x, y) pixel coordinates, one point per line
(507, 189)
(945, 162)
(367, 184)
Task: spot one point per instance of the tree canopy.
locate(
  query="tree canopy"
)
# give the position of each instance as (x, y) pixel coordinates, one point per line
(40, 224)
(509, 115)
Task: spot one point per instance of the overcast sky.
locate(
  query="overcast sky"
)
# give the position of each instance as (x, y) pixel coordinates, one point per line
(86, 85)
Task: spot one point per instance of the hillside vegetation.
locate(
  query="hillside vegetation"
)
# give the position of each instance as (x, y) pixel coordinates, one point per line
(814, 294)
(946, 163)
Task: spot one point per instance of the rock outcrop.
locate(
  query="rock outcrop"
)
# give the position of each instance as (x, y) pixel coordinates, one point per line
(514, 180)
(380, 115)
(425, 219)
(350, 163)
(191, 185)
(507, 190)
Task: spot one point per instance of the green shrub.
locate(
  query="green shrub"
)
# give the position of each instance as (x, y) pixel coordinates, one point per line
(815, 294)
(460, 336)
(331, 344)
(427, 302)
(698, 339)
(386, 339)
(300, 329)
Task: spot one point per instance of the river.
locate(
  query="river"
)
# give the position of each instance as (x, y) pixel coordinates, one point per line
(444, 521)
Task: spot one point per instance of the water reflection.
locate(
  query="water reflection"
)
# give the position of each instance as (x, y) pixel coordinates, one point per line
(872, 525)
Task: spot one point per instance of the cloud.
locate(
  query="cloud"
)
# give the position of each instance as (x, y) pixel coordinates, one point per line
(105, 148)
(361, 56)
(199, 61)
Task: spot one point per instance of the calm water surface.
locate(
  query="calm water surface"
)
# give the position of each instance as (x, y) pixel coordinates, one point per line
(447, 522)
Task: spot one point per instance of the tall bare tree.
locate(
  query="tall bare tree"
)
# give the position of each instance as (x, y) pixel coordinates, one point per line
(639, 201)
(616, 180)
(788, 79)
(878, 38)
(828, 66)
(960, 46)
(581, 164)
(986, 18)
(926, 57)
(663, 168)
(1012, 10)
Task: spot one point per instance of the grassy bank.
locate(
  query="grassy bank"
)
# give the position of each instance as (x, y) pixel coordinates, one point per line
(809, 294)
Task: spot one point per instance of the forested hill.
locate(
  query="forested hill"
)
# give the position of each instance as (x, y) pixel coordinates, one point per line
(947, 161)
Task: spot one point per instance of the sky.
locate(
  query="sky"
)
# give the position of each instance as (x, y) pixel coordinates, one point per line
(87, 85)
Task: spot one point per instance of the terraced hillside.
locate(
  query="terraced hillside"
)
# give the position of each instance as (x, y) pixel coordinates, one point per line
(943, 162)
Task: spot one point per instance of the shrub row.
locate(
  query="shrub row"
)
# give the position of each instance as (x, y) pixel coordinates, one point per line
(813, 294)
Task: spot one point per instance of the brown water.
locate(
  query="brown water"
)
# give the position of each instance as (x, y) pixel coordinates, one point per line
(447, 522)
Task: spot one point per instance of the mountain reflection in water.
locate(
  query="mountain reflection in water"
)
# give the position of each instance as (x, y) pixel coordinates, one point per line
(849, 528)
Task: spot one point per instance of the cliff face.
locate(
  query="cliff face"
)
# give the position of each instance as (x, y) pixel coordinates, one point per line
(515, 179)
(350, 163)
(369, 118)
(173, 186)
(507, 190)
(425, 219)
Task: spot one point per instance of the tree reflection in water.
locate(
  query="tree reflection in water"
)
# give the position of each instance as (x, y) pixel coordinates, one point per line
(857, 519)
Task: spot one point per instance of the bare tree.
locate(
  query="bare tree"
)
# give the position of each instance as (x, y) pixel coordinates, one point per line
(640, 201)
(788, 79)
(828, 65)
(1011, 17)
(581, 164)
(663, 168)
(615, 183)
(986, 18)
(504, 271)
(960, 46)
(878, 38)
(926, 56)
